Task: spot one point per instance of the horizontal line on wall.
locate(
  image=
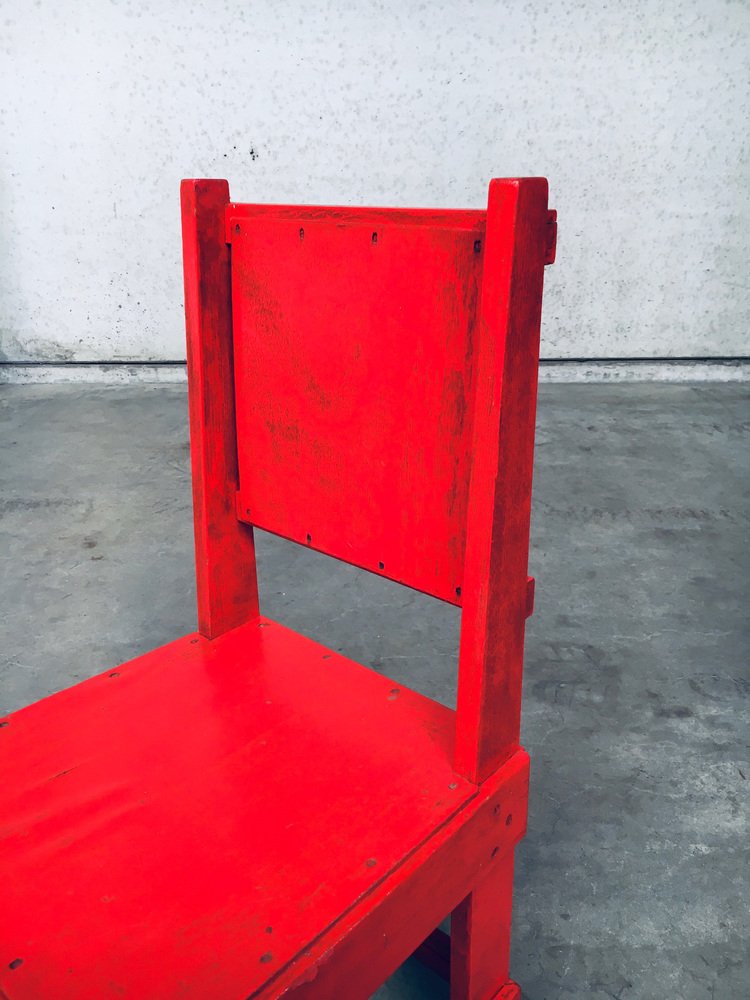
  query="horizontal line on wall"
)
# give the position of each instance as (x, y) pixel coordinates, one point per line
(92, 364)
(710, 360)
(564, 370)
(93, 372)
(687, 359)
(647, 370)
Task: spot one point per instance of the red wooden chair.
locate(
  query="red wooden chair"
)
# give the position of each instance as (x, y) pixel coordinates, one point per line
(243, 812)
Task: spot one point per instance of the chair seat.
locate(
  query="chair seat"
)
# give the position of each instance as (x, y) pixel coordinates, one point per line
(190, 822)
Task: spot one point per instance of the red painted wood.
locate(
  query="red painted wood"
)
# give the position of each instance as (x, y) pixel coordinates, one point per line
(459, 218)
(170, 812)
(530, 592)
(480, 934)
(435, 953)
(353, 350)
(370, 941)
(224, 551)
(499, 506)
(245, 813)
(511, 991)
(551, 243)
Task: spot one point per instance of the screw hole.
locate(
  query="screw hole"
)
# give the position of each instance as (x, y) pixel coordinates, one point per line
(193, 641)
(496, 810)
(302, 234)
(509, 819)
(458, 591)
(247, 511)
(15, 963)
(374, 237)
(237, 228)
(268, 957)
(477, 246)
(309, 538)
(381, 565)
(115, 673)
(494, 851)
(3, 724)
(371, 862)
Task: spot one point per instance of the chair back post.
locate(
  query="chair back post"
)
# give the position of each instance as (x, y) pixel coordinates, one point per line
(499, 503)
(227, 588)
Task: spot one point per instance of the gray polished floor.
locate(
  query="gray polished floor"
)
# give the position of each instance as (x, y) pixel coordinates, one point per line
(633, 880)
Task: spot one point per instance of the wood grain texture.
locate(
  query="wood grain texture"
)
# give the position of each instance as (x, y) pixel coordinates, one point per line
(244, 813)
(454, 218)
(369, 942)
(480, 934)
(156, 820)
(499, 505)
(224, 550)
(353, 345)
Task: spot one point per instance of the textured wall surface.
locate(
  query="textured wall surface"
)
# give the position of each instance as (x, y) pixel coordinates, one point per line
(637, 112)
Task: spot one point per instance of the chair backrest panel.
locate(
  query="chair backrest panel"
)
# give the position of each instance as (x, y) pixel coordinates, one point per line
(363, 381)
(353, 338)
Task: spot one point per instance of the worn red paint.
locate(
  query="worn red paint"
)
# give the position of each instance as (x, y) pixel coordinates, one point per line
(360, 382)
(224, 550)
(244, 812)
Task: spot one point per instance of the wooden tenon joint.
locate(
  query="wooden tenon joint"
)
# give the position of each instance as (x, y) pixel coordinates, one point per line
(550, 249)
(530, 590)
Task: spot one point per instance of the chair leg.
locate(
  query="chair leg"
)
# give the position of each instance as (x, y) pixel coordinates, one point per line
(480, 937)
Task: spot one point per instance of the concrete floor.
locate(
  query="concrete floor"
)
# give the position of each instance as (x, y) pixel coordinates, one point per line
(633, 880)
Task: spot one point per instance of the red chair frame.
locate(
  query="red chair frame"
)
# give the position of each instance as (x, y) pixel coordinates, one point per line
(244, 813)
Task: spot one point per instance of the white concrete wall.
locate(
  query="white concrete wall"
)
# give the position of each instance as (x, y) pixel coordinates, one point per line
(637, 112)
